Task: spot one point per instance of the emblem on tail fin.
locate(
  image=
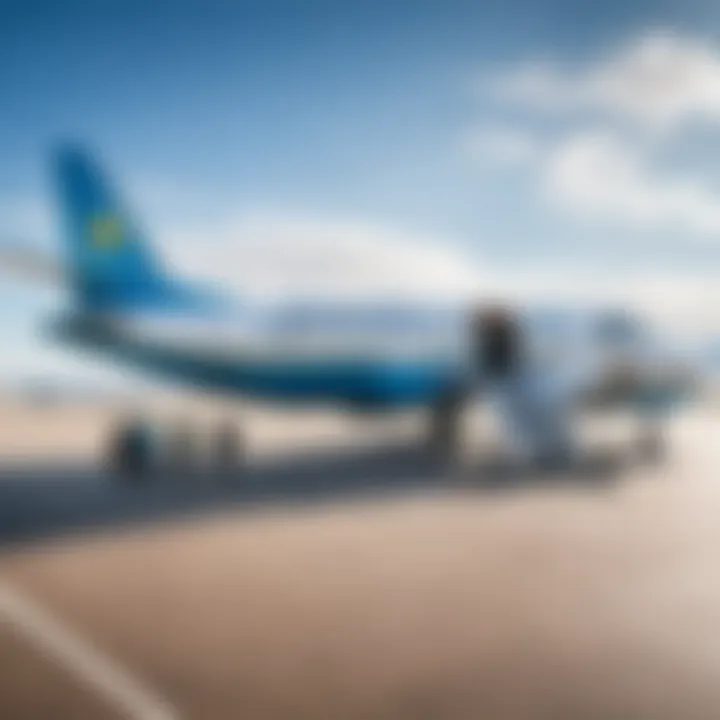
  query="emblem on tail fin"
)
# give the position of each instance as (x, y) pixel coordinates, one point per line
(109, 259)
(106, 232)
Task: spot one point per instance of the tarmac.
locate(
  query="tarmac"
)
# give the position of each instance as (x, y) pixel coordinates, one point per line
(366, 582)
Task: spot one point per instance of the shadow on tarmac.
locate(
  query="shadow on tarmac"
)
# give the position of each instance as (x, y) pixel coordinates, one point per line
(40, 502)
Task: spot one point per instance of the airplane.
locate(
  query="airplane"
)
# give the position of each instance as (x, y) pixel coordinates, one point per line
(372, 355)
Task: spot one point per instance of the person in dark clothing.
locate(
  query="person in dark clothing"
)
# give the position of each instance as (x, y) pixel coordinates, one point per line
(496, 340)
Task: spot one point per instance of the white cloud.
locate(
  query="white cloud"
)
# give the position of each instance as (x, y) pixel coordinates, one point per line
(599, 177)
(501, 146)
(272, 252)
(660, 79)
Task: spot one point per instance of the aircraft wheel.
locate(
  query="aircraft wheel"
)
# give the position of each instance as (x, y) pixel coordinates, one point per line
(130, 451)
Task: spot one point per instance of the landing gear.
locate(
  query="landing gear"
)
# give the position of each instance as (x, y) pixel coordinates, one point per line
(137, 451)
(445, 424)
(131, 452)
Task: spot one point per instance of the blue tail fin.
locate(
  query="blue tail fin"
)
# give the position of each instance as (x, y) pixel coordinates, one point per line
(109, 261)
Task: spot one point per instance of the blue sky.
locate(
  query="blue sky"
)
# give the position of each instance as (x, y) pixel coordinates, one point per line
(493, 130)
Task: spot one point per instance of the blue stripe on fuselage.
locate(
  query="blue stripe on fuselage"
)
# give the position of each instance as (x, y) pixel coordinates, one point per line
(378, 383)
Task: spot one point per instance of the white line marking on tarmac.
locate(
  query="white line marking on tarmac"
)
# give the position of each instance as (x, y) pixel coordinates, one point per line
(89, 664)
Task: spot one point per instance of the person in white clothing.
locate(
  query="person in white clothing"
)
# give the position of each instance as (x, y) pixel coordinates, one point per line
(532, 397)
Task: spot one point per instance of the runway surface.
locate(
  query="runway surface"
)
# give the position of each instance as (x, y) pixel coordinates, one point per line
(430, 595)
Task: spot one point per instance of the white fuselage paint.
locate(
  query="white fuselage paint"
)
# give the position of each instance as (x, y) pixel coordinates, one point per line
(570, 343)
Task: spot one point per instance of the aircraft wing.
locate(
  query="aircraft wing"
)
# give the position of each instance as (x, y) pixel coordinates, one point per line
(27, 262)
